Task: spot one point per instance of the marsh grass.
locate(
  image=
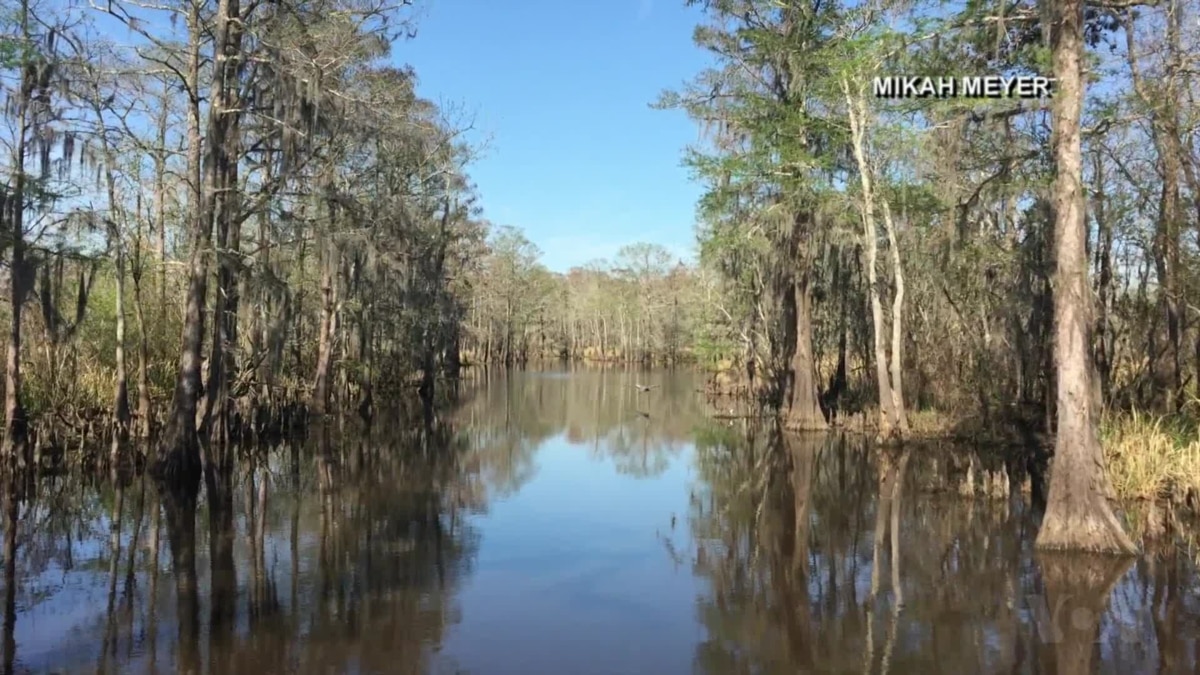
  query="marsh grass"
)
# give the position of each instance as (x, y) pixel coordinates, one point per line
(1151, 457)
(929, 423)
(1148, 457)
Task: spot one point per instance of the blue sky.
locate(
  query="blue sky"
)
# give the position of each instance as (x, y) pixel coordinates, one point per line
(561, 91)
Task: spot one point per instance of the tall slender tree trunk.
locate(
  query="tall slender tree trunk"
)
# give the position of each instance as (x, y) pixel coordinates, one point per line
(889, 420)
(366, 401)
(20, 279)
(1169, 376)
(144, 412)
(222, 203)
(116, 241)
(327, 331)
(897, 358)
(121, 409)
(179, 450)
(160, 192)
(837, 381)
(15, 424)
(1173, 171)
(261, 341)
(1078, 513)
(1164, 128)
(1104, 341)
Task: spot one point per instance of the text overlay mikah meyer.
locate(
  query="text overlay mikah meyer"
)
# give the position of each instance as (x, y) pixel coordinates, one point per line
(985, 86)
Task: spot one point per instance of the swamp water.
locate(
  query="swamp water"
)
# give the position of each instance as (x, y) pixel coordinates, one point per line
(566, 523)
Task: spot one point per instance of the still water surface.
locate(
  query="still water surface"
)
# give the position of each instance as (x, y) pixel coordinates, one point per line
(564, 523)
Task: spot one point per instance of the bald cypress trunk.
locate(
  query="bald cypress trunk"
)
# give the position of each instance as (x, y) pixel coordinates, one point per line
(222, 193)
(19, 275)
(327, 330)
(804, 411)
(1078, 514)
(179, 452)
(144, 413)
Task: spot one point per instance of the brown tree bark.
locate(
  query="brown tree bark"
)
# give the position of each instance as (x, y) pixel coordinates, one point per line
(897, 356)
(1078, 514)
(179, 449)
(19, 277)
(327, 331)
(804, 409)
(1105, 340)
(144, 414)
(12, 522)
(160, 191)
(889, 416)
(222, 210)
(15, 423)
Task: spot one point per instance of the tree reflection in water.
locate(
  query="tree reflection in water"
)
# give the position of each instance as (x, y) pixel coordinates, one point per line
(508, 417)
(793, 540)
(347, 552)
(370, 550)
(12, 510)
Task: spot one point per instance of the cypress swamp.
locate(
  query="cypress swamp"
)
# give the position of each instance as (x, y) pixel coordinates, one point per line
(685, 352)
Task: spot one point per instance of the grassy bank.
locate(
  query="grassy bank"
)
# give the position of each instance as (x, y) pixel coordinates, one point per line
(1148, 457)
(1153, 457)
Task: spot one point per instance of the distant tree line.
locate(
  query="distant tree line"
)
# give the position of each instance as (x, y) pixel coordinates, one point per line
(645, 306)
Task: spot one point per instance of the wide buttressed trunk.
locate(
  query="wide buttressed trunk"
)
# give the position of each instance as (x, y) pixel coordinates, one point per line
(1078, 514)
(804, 410)
(179, 447)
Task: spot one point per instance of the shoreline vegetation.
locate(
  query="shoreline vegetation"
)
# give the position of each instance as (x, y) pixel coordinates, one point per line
(1149, 458)
(257, 222)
